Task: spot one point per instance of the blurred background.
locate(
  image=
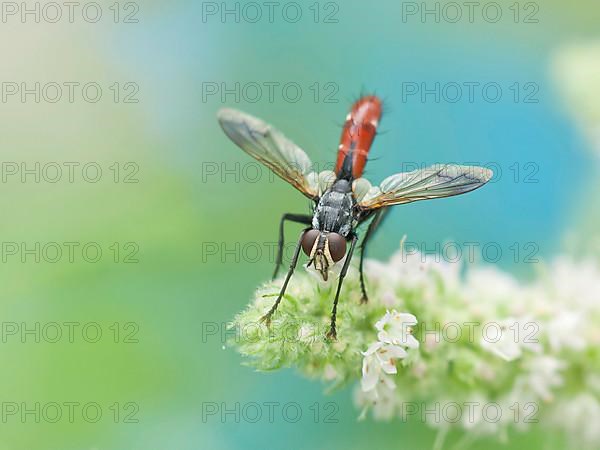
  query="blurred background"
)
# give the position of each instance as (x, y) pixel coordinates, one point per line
(133, 230)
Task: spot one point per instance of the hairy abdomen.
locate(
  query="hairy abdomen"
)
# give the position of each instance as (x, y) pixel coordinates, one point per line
(357, 136)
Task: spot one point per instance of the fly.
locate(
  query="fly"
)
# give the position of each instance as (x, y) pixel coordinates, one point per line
(342, 198)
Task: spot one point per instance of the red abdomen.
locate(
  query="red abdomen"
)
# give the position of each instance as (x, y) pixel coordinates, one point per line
(357, 136)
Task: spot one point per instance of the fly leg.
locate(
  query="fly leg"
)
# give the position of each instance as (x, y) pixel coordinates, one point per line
(299, 218)
(267, 317)
(379, 215)
(332, 334)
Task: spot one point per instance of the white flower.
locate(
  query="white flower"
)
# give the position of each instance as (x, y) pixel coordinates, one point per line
(379, 363)
(474, 418)
(306, 333)
(330, 373)
(574, 284)
(544, 375)
(389, 299)
(382, 402)
(488, 286)
(578, 415)
(507, 338)
(485, 371)
(380, 359)
(563, 331)
(396, 328)
(431, 340)
(412, 269)
(379, 272)
(419, 369)
(547, 327)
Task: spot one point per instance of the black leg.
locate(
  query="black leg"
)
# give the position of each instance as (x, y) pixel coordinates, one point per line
(332, 334)
(267, 317)
(379, 215)
(299, 218)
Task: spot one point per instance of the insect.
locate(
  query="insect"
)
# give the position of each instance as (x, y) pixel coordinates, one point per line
(343, 199)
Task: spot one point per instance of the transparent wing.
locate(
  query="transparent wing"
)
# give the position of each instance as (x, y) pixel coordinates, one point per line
(269, 146)
(444, 180)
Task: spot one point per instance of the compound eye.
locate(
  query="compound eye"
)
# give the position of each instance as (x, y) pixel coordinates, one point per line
(308, 240)
(337, 246)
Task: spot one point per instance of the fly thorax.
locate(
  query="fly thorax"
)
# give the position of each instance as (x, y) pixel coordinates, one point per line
(334, 210)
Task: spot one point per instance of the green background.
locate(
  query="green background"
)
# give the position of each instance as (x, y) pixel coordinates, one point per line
(177, 290)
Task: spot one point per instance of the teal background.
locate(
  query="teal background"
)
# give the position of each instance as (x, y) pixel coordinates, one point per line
(176, 290)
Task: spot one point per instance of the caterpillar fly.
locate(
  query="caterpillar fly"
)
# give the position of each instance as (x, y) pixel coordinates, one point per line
(342, 198)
